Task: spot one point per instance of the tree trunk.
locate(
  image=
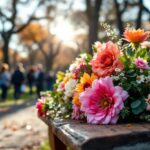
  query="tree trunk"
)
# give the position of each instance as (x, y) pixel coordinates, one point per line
(48, 63)
(93, 19)
(93, 32)
(119, 18)
(139, 17)
(5, 49)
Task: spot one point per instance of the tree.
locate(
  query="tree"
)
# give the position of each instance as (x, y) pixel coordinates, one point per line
(92, 11)
(10, 17)
(44, 40)
(122, 7)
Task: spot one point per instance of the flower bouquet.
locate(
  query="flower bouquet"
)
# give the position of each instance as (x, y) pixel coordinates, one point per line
(110, 86)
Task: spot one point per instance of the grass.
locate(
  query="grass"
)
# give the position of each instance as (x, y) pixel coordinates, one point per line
(45, 146)
(24, 97)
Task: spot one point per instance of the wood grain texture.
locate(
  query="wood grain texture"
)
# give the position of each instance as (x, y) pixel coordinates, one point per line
(81, 136)
(55, 143)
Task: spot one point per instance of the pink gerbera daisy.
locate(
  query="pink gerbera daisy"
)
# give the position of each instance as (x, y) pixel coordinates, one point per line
(103, 102)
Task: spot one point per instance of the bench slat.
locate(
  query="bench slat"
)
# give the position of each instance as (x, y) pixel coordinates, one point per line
(81, 136)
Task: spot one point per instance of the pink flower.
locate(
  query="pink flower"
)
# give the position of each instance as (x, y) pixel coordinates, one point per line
(40, 105)
(103, 102)
(81, 68)
(141, 63)
(106, 60)
(148, 102)
(76, 112)
(98, 46)
(61, 86)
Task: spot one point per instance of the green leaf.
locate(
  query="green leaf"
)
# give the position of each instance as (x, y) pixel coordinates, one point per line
(142, 52)
(135, 104)
(139, 107)
(131, 73)
(125, 113)
(130, 52)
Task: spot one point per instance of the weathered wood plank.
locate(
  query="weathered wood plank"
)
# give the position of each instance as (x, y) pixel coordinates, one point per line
(55, 143)
(81, 136)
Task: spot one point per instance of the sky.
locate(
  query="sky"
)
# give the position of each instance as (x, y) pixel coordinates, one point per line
(62, 26)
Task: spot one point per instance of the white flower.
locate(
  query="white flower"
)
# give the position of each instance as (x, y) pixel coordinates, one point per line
(148, 102)
(70, 87)
(147, 79)
(51, 101)
(97, 44)
(63, 110)
(122, 74)
(83, 56)
(68, 74)
(116, 78)
(79, 60)
(140, 79)
(117, 70)
(72, 67)
(145, 44)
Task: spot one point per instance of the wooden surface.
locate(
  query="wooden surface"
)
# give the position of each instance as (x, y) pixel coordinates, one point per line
(81, 136)
(54, 141)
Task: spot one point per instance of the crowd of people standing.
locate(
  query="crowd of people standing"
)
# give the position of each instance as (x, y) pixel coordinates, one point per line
(19, 78)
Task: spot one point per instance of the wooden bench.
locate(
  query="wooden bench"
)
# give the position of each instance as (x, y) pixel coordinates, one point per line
(81, 136)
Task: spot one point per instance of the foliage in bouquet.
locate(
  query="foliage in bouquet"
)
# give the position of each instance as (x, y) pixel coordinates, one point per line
(111, 85)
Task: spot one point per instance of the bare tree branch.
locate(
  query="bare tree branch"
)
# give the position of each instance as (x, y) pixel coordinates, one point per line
(29, 20)
(4, 16)
(14, 13)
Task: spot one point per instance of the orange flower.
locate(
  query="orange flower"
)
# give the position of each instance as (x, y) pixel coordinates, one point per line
(107, 60)
(76, 100)
(132, 35)
(85, 82)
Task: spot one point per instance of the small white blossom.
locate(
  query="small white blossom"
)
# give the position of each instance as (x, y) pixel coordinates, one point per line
(117, 70)
(147, 78)
(70, 87)
(140, 79)
(96, 44)
(72, 67)
(145, 44)
(116, 78)
(122, 74)
(68, 74)
(79, 61)
(83, 56)
(63, 110)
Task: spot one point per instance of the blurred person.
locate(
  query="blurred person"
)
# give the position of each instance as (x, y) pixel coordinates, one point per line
(39, 77)
(5, 80)
(31, 79)
(18, 79)
(50, 80)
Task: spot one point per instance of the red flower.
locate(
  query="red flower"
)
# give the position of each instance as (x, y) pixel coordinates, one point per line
(107, 60)
(40, 105)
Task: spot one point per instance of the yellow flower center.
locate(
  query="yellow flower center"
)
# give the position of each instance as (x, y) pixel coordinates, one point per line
(138, 78)
(104, 103)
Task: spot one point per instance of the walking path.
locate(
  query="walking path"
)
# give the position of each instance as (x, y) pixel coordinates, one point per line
(21, 129)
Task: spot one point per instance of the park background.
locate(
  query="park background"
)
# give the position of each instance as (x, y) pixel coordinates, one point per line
(53, 33)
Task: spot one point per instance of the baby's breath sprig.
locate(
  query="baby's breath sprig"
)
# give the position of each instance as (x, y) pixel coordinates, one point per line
(129, 26)
(110, 32)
